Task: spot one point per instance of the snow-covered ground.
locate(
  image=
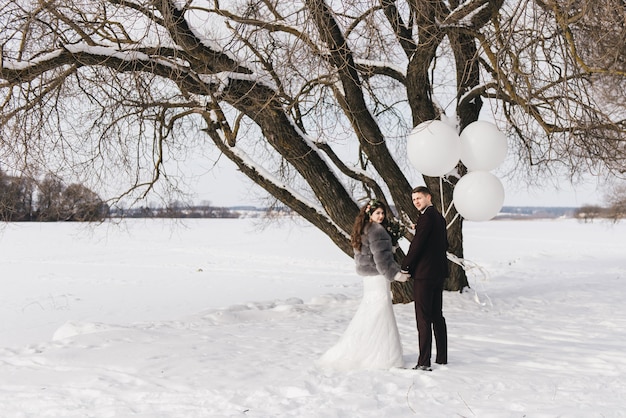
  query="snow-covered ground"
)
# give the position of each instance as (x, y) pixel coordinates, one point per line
(223, 318)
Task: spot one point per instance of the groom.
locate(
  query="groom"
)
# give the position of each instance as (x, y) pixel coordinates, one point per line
(427, 264)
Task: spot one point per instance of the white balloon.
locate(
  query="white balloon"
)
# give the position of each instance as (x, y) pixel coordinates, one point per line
(478, 196)
(483, 146)
(434, 148)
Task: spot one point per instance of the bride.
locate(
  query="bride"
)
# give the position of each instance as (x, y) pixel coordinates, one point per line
(371, 340)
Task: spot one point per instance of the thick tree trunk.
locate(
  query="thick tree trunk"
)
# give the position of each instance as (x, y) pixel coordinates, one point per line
(402, 292)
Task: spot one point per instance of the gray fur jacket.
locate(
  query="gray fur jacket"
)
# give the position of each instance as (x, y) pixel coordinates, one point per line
(376, 255)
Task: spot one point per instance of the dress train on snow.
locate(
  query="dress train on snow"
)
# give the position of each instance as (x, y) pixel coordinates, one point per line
(372, 340)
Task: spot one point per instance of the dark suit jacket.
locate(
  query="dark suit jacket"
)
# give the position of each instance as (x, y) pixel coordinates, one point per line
(426, 258)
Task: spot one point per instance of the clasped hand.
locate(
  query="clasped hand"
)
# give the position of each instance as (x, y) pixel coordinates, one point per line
(402, 277)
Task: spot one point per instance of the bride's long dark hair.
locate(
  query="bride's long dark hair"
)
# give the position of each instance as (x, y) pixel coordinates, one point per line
(362, 220)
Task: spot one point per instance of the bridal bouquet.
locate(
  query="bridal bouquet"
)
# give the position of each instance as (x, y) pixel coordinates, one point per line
(395, 230)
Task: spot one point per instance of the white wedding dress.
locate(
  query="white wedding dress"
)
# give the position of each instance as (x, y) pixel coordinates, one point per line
(371, 340)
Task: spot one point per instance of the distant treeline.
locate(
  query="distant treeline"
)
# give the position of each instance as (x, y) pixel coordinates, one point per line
(536, 212)
(587, 213)
(615, 212)
(175, 211)
(48, 200)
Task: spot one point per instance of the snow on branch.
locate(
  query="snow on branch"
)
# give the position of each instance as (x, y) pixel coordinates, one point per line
(129, 55)
(268, 181)
(14, 65)
(276, 182)
(465, 13)
(223, 78)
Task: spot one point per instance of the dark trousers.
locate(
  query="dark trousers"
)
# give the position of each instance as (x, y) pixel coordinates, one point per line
(428, 313)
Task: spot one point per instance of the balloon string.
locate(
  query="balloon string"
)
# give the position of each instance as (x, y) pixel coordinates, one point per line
(448, 210)
(441, 193)
(445, 214)
(452, 221)
(455, 259)
(474, 269)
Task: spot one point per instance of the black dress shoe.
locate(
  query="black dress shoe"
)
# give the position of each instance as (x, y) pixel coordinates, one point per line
(423, 368)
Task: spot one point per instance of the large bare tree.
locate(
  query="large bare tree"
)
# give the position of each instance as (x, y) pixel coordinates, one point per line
(311, 99)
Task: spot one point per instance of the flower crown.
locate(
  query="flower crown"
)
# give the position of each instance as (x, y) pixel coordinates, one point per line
(372, 206)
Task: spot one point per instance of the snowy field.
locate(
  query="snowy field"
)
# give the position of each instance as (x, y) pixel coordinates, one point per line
(223, 318)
